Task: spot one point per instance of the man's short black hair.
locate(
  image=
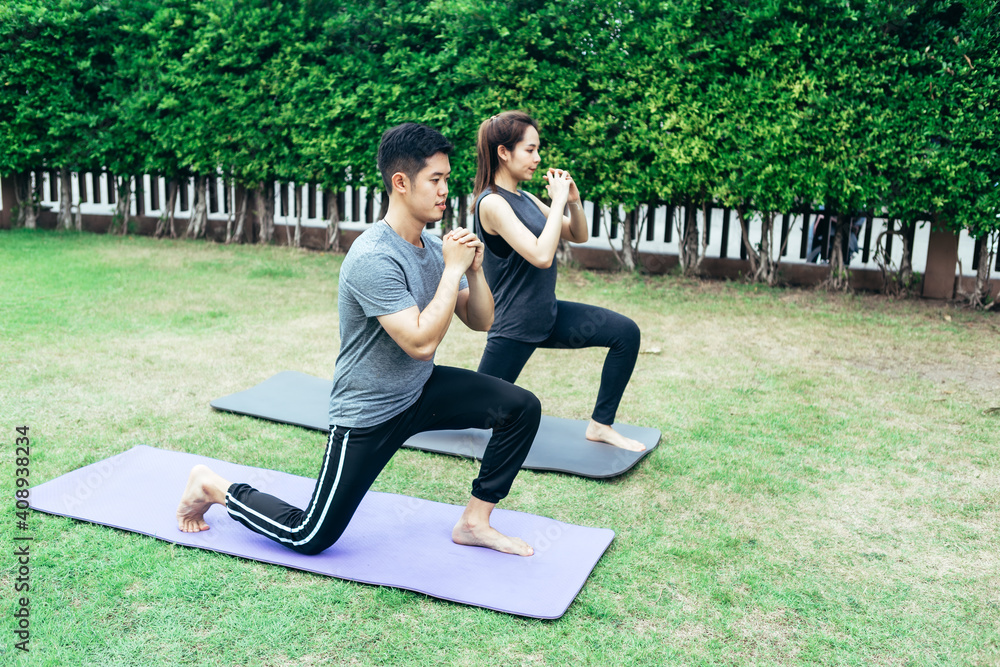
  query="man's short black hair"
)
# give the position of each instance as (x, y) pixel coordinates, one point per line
(405, 148)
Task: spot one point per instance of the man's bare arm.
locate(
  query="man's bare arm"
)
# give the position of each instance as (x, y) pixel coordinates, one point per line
(419, 332)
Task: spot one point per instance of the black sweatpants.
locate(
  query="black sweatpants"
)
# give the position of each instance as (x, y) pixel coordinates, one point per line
(453, 398)
(577, 325)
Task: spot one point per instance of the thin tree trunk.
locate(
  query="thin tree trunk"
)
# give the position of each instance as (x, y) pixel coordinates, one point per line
(25, 202)
(123, 208)
(883, 263)
(890, 282)
(64, 219)
(264, 195)
(241, 216)
(288, 234)
(333, 223)
(620, 255)
(269, 208)
(895, 282)
(298, 216)
(906, 263)
(839, 278)
(627, 230)
(174, 189)
(161, 222)
(688, 240)
(638, 225)
(229, 217)
(768, 268)
(21, 195)
(625, 256)
(987, 253)
(227, 204)
(166, 221)
(31, 217)
(202, 207)
(980, 294)
(706, 212)
(774, 263)
(752, 256)
(75, 208)
(258, 195)
(241, 232)
(680, 224)
(199, 215)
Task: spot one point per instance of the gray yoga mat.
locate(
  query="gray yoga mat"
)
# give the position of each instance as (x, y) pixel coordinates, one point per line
(392, 540)
(303, 400)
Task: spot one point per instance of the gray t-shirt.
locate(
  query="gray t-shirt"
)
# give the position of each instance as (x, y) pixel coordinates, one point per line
(382, 274)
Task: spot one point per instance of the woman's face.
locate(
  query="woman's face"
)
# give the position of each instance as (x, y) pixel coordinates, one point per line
(524, 159)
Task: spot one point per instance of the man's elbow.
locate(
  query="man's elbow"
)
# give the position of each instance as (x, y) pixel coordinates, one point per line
(424, 352)
(542, 262)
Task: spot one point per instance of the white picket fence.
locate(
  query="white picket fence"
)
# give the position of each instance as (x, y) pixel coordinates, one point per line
(96, 197)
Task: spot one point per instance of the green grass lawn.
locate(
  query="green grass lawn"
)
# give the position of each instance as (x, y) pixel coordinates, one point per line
(827, 490)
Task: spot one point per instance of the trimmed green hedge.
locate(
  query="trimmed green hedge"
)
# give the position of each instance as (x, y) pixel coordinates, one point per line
(857, 105)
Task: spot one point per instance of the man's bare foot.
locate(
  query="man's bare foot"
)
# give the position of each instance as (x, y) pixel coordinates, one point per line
(474, 530)
(603, 433)
(489, 537)
(204, 489)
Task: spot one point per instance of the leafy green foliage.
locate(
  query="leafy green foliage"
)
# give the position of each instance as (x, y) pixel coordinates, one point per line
(54, 58)
(878, 105)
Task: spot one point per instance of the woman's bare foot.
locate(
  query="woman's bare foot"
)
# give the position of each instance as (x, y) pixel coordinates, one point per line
(474, 530)
(603, 433)
(204, 489)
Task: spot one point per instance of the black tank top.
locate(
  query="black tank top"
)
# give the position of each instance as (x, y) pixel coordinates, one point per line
(524, 295)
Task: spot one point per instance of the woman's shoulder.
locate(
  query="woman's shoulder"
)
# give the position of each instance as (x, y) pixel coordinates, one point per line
(535, 200)
(495, 193)
(492, 201)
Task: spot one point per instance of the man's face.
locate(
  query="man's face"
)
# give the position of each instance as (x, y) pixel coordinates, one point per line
(427, 195)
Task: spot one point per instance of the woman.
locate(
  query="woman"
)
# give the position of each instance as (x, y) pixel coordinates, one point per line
(521, 235)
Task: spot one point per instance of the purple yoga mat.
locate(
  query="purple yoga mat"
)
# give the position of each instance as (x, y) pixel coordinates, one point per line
(392, 540)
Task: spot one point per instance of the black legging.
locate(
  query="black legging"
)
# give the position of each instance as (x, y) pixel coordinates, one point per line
(577, 325)
(453, 398)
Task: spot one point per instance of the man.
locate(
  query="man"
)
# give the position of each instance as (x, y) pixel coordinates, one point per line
(398, 289)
